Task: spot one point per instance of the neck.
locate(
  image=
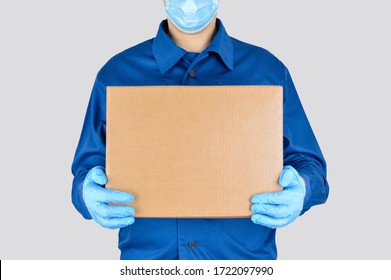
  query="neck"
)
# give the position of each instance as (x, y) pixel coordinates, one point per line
(192, 42)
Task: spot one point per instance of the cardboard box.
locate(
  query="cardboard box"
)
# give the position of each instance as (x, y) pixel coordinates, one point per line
(194, 151)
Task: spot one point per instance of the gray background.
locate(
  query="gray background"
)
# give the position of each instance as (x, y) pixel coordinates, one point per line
(337, 52)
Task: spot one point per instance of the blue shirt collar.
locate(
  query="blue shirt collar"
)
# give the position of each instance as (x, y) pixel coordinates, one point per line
(167, 53)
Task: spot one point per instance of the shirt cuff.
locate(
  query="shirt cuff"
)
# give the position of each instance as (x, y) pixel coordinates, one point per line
(308, 191)
(78, 201)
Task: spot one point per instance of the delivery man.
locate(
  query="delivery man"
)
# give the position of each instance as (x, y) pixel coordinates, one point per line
(193, 48)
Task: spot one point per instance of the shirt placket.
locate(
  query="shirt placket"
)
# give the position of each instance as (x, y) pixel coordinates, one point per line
(189, 241)
(190, 77)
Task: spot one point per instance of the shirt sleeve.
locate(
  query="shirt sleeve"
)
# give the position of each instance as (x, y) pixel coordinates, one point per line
(301, 149)
(91, 149)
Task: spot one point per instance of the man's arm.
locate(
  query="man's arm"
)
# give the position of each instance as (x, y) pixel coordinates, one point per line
(91, 150)
(304, 175)
(301, 149)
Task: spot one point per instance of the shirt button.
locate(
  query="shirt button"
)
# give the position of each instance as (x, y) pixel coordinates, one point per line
(192, 245)
(192, 73)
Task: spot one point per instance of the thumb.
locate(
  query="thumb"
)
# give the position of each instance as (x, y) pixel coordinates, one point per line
(97, 175)
(289, 177)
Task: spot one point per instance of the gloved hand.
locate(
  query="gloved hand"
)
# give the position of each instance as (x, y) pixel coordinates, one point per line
(96, 198)
(279, 209)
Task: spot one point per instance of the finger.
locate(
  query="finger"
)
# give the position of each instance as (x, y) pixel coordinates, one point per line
(106, 211)
(115, 223)
(289, 177)
(97, 175)
(280, 197)
(106, 196)
(274, 211)
(269, 221)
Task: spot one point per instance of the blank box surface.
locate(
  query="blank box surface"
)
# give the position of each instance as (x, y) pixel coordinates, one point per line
(194, 152)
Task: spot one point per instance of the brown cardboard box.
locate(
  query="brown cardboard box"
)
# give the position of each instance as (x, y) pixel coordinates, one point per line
(194, 151)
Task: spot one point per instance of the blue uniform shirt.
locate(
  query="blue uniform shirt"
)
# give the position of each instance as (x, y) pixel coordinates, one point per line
(226, 61)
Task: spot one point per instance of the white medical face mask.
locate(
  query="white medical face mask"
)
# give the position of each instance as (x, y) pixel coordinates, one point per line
(191, 16)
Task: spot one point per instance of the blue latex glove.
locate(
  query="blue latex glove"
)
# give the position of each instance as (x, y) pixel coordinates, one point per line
(281, 208)
(96, 198)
